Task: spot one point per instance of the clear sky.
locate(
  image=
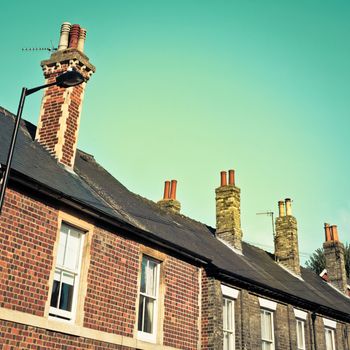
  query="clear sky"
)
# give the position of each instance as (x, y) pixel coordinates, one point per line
(185, 89)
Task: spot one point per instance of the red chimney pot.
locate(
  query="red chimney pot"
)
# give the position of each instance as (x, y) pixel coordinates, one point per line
(74, 36)
(231, 177)
(166, 190)
(223, 178)
(173, 189)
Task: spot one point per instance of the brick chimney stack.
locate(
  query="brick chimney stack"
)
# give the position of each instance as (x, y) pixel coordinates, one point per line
(286, 240)
(335, 258)
(60, 108)
(228, 211)
(169, 201)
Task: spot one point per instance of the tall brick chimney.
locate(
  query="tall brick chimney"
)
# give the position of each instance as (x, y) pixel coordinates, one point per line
(169, 201)
(228, 211)
(60, 108)
(286, 239)
(335, 258)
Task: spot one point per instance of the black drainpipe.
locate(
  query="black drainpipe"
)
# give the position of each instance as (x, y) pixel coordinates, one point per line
(313, 318)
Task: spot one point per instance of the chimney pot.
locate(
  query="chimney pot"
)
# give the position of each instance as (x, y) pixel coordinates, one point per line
(334, 233)
(74, 36)
(223, 178)
(166, 190)
(173, 189)
(327, 232)
(81, 40)
(64, 36)
(288, 203)
(231, 177)
(281, 209)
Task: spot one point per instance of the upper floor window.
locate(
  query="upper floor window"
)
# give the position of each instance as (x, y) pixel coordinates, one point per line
(267, 330)
(330, 341)
(228, 324)
(148, 299)
(329, 330)
(301, 334)
(67, 273)
(301, 317)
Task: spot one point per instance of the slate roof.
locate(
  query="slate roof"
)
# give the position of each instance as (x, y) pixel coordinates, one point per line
(93, 187)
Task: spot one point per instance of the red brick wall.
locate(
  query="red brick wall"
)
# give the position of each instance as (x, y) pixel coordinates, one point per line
(51, 113)
(28, 230)
(181, 310)
(112, 284)
(28, 233)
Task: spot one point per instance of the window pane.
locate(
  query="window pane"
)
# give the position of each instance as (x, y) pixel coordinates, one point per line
(329, 339)
(226, 341)
(67, 288)
(268, 325)
(151, 278)
(229, 315)
(54, 294)
(141, 311)
(62, 245)
(143, 275)
(148, 322)
(224, 314)
(300, 334)
(71, 260)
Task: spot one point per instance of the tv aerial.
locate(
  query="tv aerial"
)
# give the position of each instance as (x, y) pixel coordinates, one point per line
(269, 213)
(50, 49)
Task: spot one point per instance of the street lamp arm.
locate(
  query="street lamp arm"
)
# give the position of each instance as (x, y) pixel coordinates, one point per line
(31, 91)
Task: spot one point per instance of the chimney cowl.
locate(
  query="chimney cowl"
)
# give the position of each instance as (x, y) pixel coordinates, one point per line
(281, 209)
(288, 203)
(64, 36)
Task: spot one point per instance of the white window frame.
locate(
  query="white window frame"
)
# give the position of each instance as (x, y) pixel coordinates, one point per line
(229, 295)
(54, 312)
(300, 337)
(266, 341)
(301, 317)
(150, 337)
(228, 306)
(332, 333)
(330, 327)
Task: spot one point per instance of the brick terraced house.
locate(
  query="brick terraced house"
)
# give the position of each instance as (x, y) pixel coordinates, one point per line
(87, 264)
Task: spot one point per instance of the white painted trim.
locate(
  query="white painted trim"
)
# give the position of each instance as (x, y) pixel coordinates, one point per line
(291, 272)
(75, 330)
(300, 314)
(323, 272)
(229, 292)
(267, 304)
(329, 323)
(237, 251)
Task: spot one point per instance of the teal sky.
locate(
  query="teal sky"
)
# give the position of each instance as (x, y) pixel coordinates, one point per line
(184, 89)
